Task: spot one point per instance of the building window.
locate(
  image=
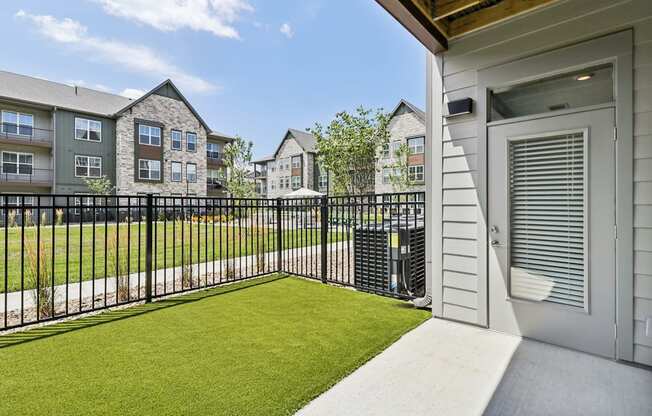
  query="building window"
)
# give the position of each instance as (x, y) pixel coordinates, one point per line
(416, 173)
(385, 151)
(191, 172)
(17, 123)
(387, 173)
(88, 166)
(149, 169)
(296, 182)
(212, 150)
(271, 166)
(296, 162)
(89, 130)
(17, 200)
(416, 145)
(149, 135)
(83, 200)
(191, 142)
(175, 138)
(272, 185)
(323, 181)
(176, 174)
(17, 163)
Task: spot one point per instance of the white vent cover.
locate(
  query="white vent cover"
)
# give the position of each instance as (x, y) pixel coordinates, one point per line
(548, 218)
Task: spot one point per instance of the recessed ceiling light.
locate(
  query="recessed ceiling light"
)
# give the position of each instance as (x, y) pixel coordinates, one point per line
(583, 77)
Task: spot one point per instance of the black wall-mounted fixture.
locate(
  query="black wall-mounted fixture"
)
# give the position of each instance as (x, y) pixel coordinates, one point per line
(459, 107)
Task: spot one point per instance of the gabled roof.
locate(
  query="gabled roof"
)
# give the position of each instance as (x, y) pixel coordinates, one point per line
(306, 140)
(23, 88)
(421, 115)
(167, 83)
(220, 135)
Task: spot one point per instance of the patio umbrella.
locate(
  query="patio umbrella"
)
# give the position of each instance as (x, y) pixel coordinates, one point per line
(303, 192)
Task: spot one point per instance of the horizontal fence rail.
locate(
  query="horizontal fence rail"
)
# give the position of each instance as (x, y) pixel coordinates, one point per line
(66, 255)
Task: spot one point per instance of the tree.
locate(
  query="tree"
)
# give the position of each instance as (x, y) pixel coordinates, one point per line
(99, 186)
(348, 149)
(400, 175)
(237, 158)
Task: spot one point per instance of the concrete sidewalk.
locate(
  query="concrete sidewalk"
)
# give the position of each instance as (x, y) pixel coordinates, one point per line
(445, 368)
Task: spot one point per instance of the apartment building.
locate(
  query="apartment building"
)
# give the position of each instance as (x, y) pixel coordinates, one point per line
(292, 166)
(54, 136)
(407, 126)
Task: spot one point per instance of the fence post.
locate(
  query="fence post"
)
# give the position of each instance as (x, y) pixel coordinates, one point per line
(149, 239)
(324, 237)
(279, 236)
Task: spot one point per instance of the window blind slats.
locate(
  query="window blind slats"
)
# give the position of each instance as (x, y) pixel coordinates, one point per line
(547, 219)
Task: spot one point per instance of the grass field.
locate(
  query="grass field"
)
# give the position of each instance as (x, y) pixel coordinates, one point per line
(75, 248)
(262, 347)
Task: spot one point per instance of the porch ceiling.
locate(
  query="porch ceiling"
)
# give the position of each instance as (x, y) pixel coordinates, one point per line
(435, 22)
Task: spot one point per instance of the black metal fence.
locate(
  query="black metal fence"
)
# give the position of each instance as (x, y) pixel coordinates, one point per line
(65, 255)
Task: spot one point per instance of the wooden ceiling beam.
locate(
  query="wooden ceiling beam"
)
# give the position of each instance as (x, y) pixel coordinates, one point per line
(445, 8)
(492, 15)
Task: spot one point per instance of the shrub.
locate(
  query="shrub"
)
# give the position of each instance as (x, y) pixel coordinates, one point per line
(27, 218)
(11, 218)
(44, 218)
(39, 276)
(58, 217)
(118, 260)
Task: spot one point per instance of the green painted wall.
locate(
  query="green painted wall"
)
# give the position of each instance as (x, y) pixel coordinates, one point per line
(67, 147)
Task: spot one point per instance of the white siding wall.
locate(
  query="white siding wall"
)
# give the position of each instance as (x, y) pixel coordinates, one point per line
(562, 24)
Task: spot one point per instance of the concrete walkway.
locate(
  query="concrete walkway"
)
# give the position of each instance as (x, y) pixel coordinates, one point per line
(445, 368)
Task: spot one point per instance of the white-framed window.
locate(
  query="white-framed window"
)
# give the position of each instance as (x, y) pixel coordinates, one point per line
(385, 151)
(191, 172)
(17, 123)
(415, 173)
(271, 166)
(149, 135)
(296, 162)
(387, 173)
(213, 150)
(215, 175)
(175, 139)
(272, 185)
(393, 148)
(322, 181)
(191, 142)
(88, 166)
(175, 172)
(296, 182)
(88, 130)
(16, 200)
(149, 169)
(17, 163)
(416, 145)
(83, 200)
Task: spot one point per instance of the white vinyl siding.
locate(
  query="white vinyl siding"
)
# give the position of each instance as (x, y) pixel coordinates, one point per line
(561, 24)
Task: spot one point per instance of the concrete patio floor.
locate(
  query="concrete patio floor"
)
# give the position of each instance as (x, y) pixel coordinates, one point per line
(446, 368)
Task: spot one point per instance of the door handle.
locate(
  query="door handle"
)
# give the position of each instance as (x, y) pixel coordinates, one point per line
(495, 243)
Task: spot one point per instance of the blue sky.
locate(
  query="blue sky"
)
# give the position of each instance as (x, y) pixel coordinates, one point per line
(250, 67)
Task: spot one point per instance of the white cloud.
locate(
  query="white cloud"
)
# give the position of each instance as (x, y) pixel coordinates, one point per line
(132, 93)
(131, 57)
(286, 29)
(214, 16)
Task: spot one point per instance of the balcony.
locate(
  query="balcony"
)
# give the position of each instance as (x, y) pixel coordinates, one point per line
(36, 177)
(214, 183)
(214, 158)
(14, 134)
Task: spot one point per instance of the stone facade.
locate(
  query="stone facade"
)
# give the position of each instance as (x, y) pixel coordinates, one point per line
(289, 148)
(404, 124)
(173, 114)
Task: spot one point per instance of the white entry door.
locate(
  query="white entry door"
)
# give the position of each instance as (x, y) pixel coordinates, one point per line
(552, 230)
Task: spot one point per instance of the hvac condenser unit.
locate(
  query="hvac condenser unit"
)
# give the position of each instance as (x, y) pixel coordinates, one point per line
(391, 258)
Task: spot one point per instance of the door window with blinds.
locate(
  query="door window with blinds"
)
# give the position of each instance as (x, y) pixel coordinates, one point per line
(548, 218)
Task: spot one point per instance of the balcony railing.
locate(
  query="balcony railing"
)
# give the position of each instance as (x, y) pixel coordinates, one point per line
(27, 176)
(215, 183)
(26, 134)
(214, 157)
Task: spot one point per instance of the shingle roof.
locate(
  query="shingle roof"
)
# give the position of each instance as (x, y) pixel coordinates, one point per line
(421, 115)
(306, 140)
(35, 90)
(264, 159)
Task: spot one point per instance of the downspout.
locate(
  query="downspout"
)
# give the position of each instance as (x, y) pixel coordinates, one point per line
(54, 150)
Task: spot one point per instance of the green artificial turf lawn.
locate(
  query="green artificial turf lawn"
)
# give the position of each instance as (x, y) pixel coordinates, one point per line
(262, 347)
(230, 241)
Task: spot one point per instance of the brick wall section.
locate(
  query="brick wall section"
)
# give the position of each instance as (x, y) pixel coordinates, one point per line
(403, 125)
(173, 114)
